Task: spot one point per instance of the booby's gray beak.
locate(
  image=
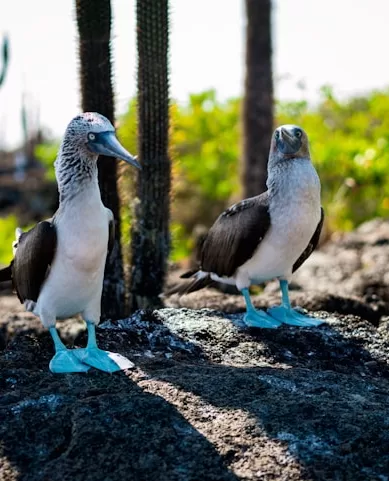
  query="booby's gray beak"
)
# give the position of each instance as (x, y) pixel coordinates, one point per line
(288, 143)
(286, 136)
(106, 143)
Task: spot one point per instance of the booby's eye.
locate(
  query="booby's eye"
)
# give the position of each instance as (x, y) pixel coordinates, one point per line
(298, 134)
(277, 135)
(91, 136)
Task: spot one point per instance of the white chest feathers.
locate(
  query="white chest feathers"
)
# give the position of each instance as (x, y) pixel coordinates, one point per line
(82, 232)
(295, 214)
(74, 283)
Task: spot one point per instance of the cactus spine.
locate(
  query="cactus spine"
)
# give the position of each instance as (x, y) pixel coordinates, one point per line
(150, 230)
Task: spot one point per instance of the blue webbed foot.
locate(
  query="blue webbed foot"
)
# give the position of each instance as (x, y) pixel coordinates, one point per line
(103, 360)
(254, 318)
(287, 315)
(65, 361)
(292, 317)
(260, 319)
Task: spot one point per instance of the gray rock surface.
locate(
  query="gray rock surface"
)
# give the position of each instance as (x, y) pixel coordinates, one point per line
(210, 399)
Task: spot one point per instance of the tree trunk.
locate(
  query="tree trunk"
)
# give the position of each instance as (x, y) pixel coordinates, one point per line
(150, 230)
(94, 28)
(258, 98)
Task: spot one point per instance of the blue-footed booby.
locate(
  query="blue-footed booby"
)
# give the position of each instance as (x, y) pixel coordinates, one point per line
(268, 236)
(58, 265)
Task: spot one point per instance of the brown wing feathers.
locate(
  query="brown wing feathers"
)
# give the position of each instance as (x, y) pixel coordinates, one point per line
(230, 242)
(235, 236)
(35, 253)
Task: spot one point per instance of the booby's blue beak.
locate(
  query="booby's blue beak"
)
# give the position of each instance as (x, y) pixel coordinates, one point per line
(106, 143)
(288, 143)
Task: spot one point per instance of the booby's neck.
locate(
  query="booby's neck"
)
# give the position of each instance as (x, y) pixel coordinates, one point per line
(293, 180)
(75, 170)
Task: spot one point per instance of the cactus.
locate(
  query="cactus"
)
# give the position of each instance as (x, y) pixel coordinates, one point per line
(258, 98)
(5, 62)
(94, 28)
(150, 230)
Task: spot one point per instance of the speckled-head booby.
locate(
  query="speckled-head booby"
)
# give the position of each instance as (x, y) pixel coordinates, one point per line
(268, 236)
(58, 265)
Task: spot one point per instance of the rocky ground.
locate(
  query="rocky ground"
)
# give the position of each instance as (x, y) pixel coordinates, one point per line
(209, 399)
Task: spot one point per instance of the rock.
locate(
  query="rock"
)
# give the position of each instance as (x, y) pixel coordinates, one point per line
(208, 400)
(353, 265)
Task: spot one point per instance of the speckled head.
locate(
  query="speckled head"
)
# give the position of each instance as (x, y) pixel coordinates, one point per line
(289, 142)
(92, 134)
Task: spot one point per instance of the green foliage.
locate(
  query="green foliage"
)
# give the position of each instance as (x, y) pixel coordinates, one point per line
(7, 236)
(205, 153)
(46, 154)
(349, 145)
(8, 226)
(127, 134)
(205, 141)
(349, 142)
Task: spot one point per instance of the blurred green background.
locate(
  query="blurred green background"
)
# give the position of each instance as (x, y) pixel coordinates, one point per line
(349, 145)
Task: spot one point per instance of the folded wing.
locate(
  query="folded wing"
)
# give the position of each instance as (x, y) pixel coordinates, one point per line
(236, 234)
(33, 257)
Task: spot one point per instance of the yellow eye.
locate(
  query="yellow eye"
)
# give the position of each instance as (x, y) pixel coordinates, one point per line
(298, 134)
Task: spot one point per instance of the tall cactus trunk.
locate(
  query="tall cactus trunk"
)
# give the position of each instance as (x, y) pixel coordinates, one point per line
(5, 61)
(258, 98)
(94, 29)
(150, 230)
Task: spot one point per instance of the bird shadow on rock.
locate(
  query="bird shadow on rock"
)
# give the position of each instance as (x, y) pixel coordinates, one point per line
(95, 425)
(316, 400)
(323, 425)
(208, 400)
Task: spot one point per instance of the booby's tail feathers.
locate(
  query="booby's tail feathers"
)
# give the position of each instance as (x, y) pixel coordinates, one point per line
(6, 274)
(188, 274)
(198, 280)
